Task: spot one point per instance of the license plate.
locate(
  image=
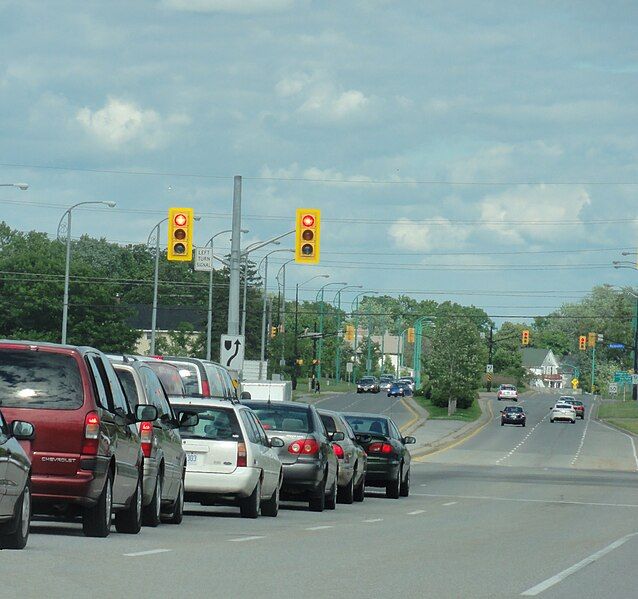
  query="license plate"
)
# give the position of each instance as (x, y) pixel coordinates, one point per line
(191, 458)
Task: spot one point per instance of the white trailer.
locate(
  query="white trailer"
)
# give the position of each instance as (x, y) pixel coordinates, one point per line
(268, 390)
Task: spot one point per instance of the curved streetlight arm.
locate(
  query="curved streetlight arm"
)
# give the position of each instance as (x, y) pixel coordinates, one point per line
(326, 285)
(260, 244)
(312, 279)
(22, 186)
(67, 213)
(343, 289)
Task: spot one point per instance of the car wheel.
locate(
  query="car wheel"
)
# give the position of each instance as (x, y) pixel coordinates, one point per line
(360, 490)
(129, 521)
(318, 502)
(551, 420)
(393, 488)
(20, 524)
(249, 506)
(331, 498)
(523, 425)
(151, 514)
(502, 423)
(405, 485)
(270, 507)
(177, 510)
(346, 494)
(96, 520)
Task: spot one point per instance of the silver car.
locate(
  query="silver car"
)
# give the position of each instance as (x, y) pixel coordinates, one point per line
(353, 461)
(164, 458)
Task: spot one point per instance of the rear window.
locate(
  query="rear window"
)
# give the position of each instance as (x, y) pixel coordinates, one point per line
(215, 382)
(37, 379)
(513, 409)
(368, 424)
(190, 377)
(215, 424)
(170, 378)
(282, 418)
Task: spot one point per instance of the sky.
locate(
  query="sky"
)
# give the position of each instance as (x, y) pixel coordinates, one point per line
(483, 152)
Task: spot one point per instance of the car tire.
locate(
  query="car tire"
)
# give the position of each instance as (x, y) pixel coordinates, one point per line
(523, 425)
(249, 506)
(317, 503)
(502, 423)
(346, 494)
(152, 513)
(19, 524)
(176, 514)
(551, 420)
(129, 521)
(270, 507)
(331, 498)
(405, 485)
(360, 490)
(393, 488)
(96, 520)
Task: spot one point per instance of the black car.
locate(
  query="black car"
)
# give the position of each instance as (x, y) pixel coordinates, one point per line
(513, 415)
(388, 456)
(15, 484)
(309, 462)
(367, 384)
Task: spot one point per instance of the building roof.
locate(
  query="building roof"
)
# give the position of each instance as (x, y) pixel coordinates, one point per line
(533, 357)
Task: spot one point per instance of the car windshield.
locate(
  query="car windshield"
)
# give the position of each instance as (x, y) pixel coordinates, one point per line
(215, 424)
(285, 418)
(513, 409)
(368, 424)
(366, 381)
(39, 379)
(508, 388)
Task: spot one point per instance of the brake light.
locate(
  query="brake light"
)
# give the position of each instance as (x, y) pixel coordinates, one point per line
(304, 447)
(91, 434)
(146, 436)
(205, 389)
(241, 455)
(338, 450)
(379, 448)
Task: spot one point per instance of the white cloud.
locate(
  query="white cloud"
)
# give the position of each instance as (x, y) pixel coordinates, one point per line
(120, 123)
(329, 105)
(229, 6)
(426, 236)
(291, 86)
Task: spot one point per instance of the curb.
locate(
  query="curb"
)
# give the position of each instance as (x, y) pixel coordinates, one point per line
(420, 416)
(462, 434)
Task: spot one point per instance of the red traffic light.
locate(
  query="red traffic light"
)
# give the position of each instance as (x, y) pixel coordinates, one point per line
(180, 219)
(308, 220)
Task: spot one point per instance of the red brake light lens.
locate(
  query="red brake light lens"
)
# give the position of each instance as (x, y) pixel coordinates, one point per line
(146, 437)
(304, 447)
(205, 389)
(91, 434)
(241, 455)
(338, 450)
(379, 447)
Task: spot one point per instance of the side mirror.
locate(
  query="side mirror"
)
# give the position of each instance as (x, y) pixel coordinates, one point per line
(245, 395)
(276, 442)
(337, 436)
(188, 419)
(145, 413)
(23, 431)
(409, 440)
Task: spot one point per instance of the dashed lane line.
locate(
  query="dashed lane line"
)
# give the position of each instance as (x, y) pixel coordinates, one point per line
(450, 503)
(582, 439)
(371, 520)
(243, 539)
(149, 552)
(416, 512)
(527, 436)
(319, 527)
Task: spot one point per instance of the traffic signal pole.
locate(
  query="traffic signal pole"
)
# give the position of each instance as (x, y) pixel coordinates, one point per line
(634, 388)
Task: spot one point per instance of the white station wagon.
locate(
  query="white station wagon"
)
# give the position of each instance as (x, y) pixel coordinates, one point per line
(229, 459)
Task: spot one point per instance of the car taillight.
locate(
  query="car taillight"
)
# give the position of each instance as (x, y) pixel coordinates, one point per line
(304, 447)
(338, 450)
(91, 434)
(379, 448)
(241, 455)
(146, 436)
(205, 389)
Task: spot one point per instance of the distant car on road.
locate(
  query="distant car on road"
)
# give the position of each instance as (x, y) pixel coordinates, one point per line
(513, 415)
(579, 406)
(399, 389)
(368, 384)
(388, 457)
(507, 392)
(409, 381)
(564, 412)
(385, 381)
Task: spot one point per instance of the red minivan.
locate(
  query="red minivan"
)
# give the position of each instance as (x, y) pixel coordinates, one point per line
(86, 455)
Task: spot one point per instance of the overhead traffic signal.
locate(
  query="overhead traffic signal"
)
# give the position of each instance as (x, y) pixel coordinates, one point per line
(525, 337)
(273, 332)
(308, 230)
(180, 234)
(582, 343)
(349, 332)
(591, 340)
(411, 335)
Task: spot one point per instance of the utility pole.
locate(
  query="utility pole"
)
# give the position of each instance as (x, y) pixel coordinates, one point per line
(235, 260)
(489, 360)
(262, 355)
(634, 388)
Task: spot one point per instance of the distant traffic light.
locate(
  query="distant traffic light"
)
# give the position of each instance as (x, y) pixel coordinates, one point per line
(308, 230)
(273, 332)
(180, 234)
(582, 343)
(411, 335)
(525, 337)
(349, 336)
(591, 340)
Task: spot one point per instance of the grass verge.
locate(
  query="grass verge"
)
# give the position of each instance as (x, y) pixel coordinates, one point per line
(469, 415)
(623, 414)
(332, 387)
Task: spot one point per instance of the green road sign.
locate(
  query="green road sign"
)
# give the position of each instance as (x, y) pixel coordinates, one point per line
(621, 376)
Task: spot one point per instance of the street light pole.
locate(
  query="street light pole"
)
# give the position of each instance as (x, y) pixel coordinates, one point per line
(67, 213)
(155, 231)
(282, 310)
(632, 266)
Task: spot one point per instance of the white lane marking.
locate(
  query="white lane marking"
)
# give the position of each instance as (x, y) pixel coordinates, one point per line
(150, 552)
(424, 485)
(550, 582)
(318, 527)
(582, 439)
(450, 503)
(416, 512)
(633, 445)
(242, 539)
(507, 455)
(373, 520)
(525, 500)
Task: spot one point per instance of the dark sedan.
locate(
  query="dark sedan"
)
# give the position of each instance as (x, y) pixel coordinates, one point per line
(513, 415)
(368, 384)
(15, 488)
(388, 457)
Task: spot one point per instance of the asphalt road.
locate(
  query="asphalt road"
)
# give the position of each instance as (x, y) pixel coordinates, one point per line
(544, 510)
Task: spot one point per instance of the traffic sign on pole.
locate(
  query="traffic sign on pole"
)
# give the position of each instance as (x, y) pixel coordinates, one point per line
(231, 353)
(203, 259)
(613, 388)
(489, 368)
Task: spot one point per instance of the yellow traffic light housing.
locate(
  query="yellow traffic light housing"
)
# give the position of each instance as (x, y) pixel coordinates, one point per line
(307, 235)
(582, 343)
(349, 332)
(411, 335)
(273, 332)
(591, 340)
(525, 337)
(180, 234)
